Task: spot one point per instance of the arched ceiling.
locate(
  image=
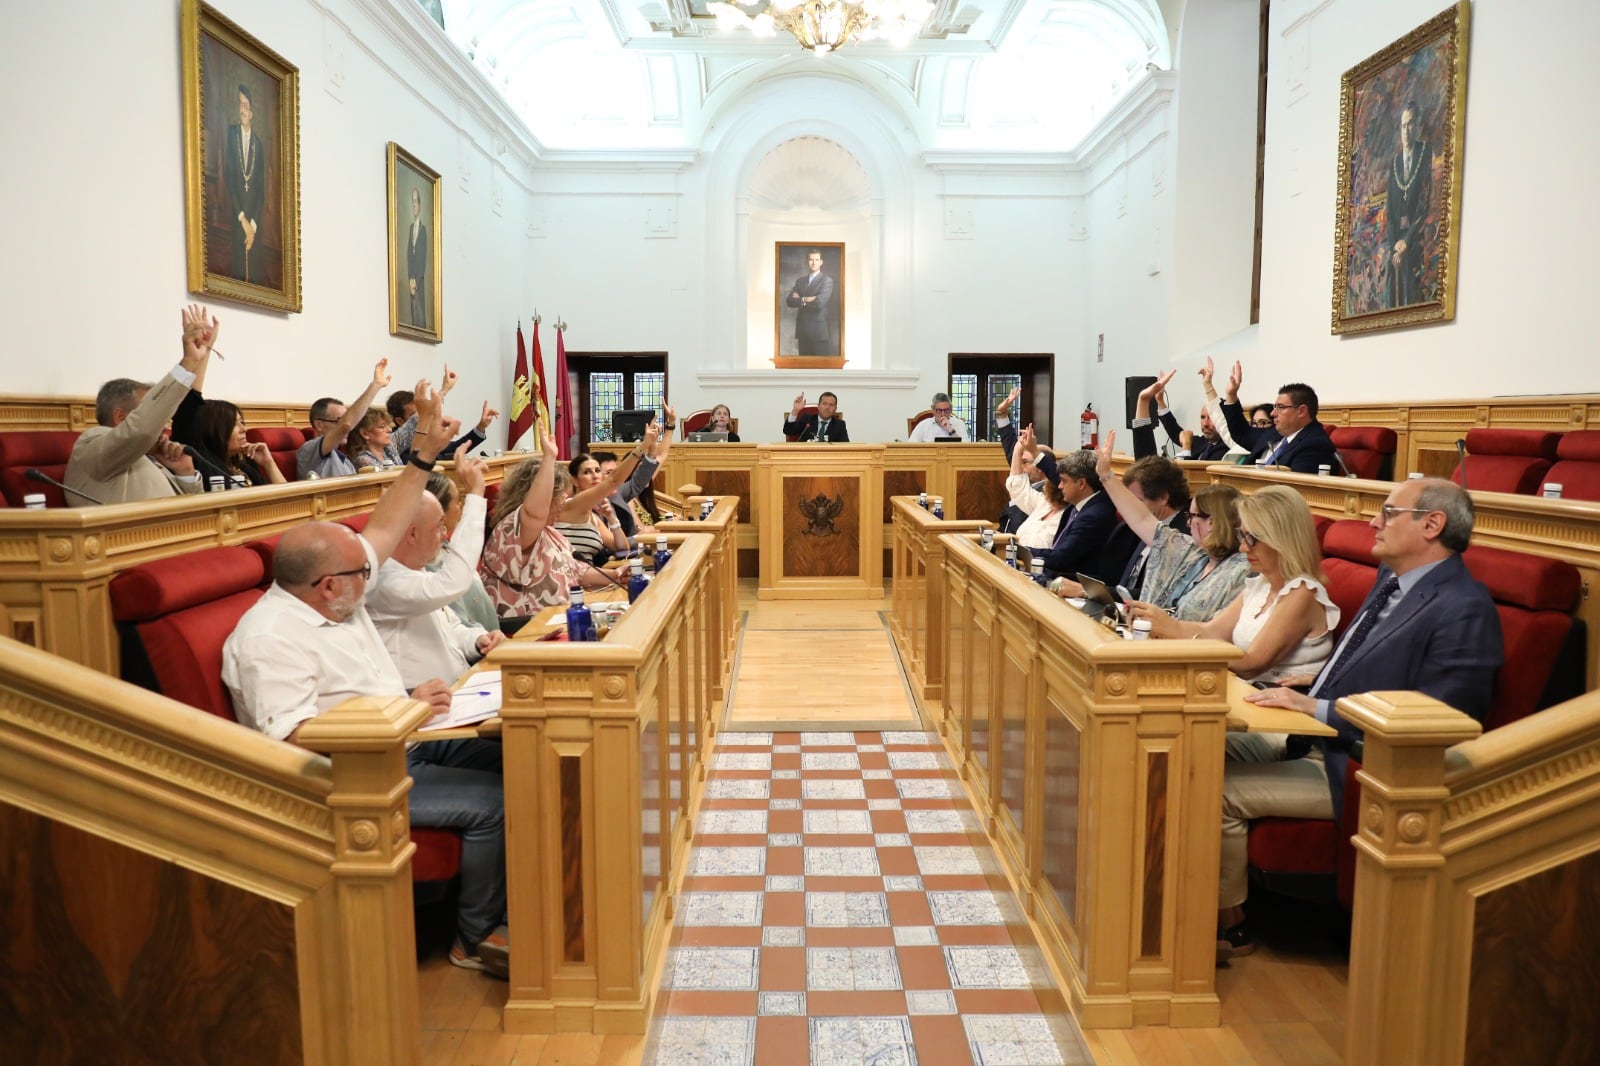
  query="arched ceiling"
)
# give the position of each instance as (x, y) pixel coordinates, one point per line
(1002, 75)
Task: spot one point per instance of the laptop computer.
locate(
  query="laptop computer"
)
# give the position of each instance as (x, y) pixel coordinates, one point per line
(704, 436)
(947, 440)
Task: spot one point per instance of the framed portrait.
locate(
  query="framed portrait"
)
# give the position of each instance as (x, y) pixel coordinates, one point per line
(416, 291)
(1402, 121)
(808, 318)
(241, 176)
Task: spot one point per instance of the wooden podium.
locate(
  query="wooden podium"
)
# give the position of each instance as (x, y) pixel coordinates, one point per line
(822, 526)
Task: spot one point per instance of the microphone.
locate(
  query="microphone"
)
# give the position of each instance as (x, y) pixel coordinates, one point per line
(1342, 465)
(603, 572)
(1461, 450)
(35, 474)
(227, 476)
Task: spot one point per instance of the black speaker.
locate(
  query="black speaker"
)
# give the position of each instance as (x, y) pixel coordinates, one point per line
(1134, 387)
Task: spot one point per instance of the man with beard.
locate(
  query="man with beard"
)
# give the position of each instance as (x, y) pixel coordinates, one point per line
(308, 644)
(1409, 202)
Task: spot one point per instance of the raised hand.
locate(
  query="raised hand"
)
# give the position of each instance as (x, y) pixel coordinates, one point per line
(380, 374)
(1025, 439)
(672, 414)
(799, 404)
(1102, 455)
(1208, 373)
(652, 433)
(1005, 404)
(489, 415)
(1235, 379)
(427, 401)
(548, 446)
(199, 335)
(472, 473)
(447, 382)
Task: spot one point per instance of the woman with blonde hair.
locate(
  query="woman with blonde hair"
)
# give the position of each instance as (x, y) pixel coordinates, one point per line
(1283, 619)
(371, 442)
(1043, 505)
(721, 422)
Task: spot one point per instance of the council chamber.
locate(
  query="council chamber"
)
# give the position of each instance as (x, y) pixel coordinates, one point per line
(840, 784)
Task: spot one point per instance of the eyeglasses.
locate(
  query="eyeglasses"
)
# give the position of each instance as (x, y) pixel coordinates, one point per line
(1194, 513)
(1248, 539)
(1261, 423)
(1388, 512)
(943, 410)
(1286, 406)
(324, 420)
(365, 572)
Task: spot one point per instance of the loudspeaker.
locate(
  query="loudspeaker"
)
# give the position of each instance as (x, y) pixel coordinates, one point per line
(1134, 387)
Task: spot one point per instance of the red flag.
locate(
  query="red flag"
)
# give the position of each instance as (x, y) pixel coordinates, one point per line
(566, 426)
(521, 393)
(541, 396)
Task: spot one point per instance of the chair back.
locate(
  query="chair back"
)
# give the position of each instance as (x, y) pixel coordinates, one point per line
(1507, 460)
(1368, 451)
(917, 419)
(1577, 467)
(47, 450)
(283, 442)
(808, 409)
(696, 421)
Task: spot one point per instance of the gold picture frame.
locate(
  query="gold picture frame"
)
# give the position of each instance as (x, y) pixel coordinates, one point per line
(241, 156)
(808, 326)
(1402, 124)
(416, 289)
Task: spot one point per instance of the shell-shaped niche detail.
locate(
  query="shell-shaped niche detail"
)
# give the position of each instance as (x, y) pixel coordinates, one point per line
(809, 172)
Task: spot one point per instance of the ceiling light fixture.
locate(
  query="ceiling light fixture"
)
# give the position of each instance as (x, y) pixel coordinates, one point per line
(824, 26)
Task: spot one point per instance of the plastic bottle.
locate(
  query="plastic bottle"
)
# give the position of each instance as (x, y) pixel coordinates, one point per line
(986, 539)
(34, 501)
(922, 500)
(216, 483)
(1038, 572)
(663, 553)
(636, 579)
(938, 507)
(580, 623)
(1140, 630)
(1011, 554)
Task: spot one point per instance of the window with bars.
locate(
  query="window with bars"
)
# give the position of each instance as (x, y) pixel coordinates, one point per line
(605, 395)
(997, 388)
(964, 398)
(605, 382)
(979, 381)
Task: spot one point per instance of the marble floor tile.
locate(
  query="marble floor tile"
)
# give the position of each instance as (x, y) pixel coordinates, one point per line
(717, 822)
(986, 967)
(846, 909)
(707, 861)
(785, 840)
(829, 760)
(860, 1041)
(786, 883)
(948, 860)
(827, 740)
(712, 968)
(786, 749)
(726, 739)
(742, 760)
(915, 935)
(916, 760)
(931, 1002)
(938, 822)
(783, 936)
(858, 822)
(877, 775)
(719, 908)
(883, 805)
(785, 1003)
(902, 738)
(869, 747)
(832, 788)
(784, 805)
(891, 840)
(785, 775)
(927, 788)
(1012, 1040)
(965, 908)
(736, 788)
(902, 884)
(841, 862)
(852, 969)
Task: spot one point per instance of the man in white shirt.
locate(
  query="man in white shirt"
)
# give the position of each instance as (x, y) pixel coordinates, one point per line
(130, 456)
(308, 644)
(409, 605)
(944, 423)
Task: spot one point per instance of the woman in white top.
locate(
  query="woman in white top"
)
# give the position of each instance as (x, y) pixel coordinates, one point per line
(1042, 508)
(1284, 619)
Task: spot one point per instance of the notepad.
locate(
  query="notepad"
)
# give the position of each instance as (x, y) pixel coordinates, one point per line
(477, 700)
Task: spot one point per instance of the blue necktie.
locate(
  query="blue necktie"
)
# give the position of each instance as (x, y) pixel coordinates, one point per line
(1363, 629)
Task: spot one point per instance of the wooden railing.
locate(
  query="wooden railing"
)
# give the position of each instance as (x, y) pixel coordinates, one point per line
(916, 617)
(183, 884)
(722, 615)
(56, 565)
(1476, 928)
(77, 412)
(1097, 765)
(605, 765)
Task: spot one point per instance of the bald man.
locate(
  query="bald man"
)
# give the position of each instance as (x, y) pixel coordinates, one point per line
(309, 644)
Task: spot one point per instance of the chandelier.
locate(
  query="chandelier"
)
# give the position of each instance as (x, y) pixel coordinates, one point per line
(824, 26)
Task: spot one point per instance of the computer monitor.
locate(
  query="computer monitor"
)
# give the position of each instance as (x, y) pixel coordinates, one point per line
(628, 425)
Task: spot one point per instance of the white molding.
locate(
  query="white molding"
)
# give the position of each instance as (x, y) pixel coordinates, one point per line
(890, 380)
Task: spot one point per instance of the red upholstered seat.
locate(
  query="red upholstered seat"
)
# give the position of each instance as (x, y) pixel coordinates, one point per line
(283, 442)
(808, 409)
(1507, 460)
(1351, 567)
(1577, 467)
(695, 421)
(48, 450)
(1368, 451)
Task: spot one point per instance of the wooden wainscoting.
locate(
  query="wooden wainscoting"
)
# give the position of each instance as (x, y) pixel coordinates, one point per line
(19, 412)
(722, 615)
(916, 617)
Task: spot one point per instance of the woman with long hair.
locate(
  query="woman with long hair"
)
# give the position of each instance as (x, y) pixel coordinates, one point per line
(1193, 575)
(1283, 619)
(721, 422)
(597, 530)
(1043, 505)
(219, 436)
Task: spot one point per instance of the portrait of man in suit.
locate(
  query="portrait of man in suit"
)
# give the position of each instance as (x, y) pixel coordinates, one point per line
(245, 178)
(1409, 202)
(417, 263)
(810, 300)
(416, 307)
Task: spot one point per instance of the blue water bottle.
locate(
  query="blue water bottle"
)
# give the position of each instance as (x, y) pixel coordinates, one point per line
(1038, 573)
(938, 507)
(636, 579)
(1011, 554)
(663, 553)
(580, 623)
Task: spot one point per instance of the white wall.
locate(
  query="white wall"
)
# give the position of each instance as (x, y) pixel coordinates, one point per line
(95, 271)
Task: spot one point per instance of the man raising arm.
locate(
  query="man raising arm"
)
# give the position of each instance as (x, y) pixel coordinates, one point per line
(323, 455)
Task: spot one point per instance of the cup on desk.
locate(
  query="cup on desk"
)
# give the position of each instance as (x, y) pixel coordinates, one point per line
(1324, 470)
(1552, 490)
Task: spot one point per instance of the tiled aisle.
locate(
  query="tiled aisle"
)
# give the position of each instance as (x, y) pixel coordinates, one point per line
(842, 906)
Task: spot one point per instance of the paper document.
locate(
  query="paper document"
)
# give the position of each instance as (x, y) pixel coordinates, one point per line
(477, 699)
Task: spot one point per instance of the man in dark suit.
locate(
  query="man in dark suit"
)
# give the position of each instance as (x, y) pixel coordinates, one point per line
(417, 252)
(1082, 543)
(1296, 440)
(803, 425)
(1406, 211)
(1208, 444)
(1427, 625)
(812, 298)
(245, 175)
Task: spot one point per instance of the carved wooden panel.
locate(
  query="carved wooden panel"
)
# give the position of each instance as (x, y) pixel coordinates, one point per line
(1063, 752)
(653, 816)
(571, 779)
(1535, 987)
(980, 494)
(108, 949)
(1011, 738)
(821, 519)
(901, 483)
(1155, 853)
(727, 483)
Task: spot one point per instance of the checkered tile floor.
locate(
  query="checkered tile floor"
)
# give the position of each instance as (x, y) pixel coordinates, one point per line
(842, 906)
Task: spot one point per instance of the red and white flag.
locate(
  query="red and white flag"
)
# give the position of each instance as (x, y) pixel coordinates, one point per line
(521, 394)
(566, 421)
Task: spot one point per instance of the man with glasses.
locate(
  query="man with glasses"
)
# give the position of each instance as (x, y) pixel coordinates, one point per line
(943, 425)
(1427, 625)
(331, 423)
(1296, 440)
(308, 644)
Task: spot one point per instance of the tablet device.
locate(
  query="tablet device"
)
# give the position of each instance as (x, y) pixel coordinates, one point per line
(1097, 590)
(1024, 558)
(707, 437)
(947, 440)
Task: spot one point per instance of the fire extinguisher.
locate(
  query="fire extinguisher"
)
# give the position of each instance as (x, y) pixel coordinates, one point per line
(1089, 428)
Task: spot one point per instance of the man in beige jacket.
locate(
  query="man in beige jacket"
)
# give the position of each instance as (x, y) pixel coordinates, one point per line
(129, 455)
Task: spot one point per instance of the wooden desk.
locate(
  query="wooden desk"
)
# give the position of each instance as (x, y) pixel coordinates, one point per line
(1247, 717)
(823, 532)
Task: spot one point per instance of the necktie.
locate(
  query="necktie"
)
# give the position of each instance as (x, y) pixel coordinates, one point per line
(822, 429)
(1364, 627)
(1071, 513)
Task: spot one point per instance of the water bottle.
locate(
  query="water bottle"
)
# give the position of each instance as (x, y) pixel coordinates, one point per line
(986, 539)
(663, 553)
(580, 623)
(1552, 490)
(1011, 555)
(922, 500)
(238, 481)
(636, 579)
(34, 501)
(1038, 573)
(1140, 630)
(216, 483)
(706, 507)
(938, 507)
